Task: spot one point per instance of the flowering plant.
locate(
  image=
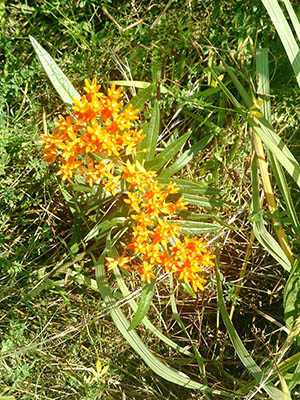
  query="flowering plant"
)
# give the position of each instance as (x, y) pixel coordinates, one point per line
(92, 143)
(121, 196)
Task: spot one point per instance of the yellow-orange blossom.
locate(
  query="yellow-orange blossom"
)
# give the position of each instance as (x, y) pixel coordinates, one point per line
(92, 143)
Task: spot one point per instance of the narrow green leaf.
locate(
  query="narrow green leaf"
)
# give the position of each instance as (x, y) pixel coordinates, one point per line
(191, 216)
(260, 231)
(186, 157)
(203, 201)
(189, 187)
(239, 347)
(140, 99)
(285, 33)
(156, 66)
(148, 324)
(262, 69)
(144, 304)
(152, 131)
(136, 343)
(293, 17)
(166, 155)
(291, 298)
(139, 85)
(104, 227)
(196, 227)
(59, 80)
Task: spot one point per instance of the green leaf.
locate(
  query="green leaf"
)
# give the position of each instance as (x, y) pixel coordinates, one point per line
(286, 35)
(139, 85)
(59, 80)
(186, 157)
(104, 227)
(262, 68)
(196, 227)
(198, 356)
(167, 154)
(151, 132)
(144, 304)
(260, 231)
(148, 324)
(291, 297)
(203, 201)
(188, 187)
(140, 99)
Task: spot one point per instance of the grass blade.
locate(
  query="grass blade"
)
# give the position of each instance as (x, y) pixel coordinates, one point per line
(261, 233)
(262, 69)
(285, 33)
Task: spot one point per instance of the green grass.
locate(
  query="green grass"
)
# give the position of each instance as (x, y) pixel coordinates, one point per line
(54, 325)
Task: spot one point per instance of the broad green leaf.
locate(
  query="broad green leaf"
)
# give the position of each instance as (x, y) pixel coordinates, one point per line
(196, 227)
(59, 80)
(137, 344)
(291, 299)
(166, 155)
(186, 157)
(140, 99)
(152, 131)
(238, 345)
(144, 304)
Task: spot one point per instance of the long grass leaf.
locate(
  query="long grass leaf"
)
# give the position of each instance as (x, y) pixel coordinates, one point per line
(285, 33)
(293, 17)
(261, 233)
(58, 79)
(262, 69)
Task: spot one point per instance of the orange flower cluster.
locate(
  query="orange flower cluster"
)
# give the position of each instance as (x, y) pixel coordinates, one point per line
(91, 143)
(99, 127)
(156, 240)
